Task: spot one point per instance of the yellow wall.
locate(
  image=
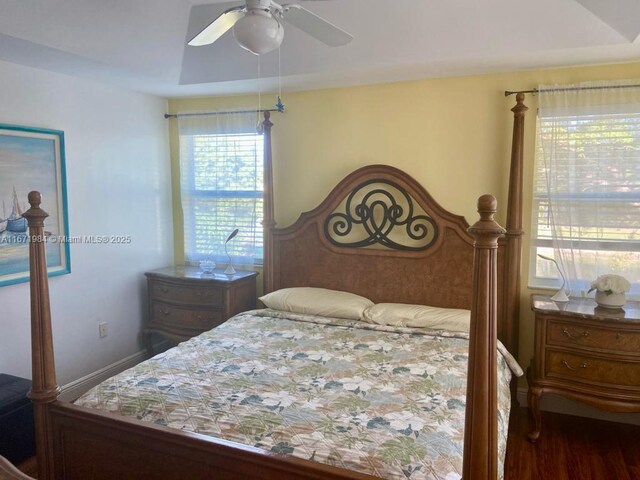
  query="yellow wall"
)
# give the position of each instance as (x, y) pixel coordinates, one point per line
(453, 135)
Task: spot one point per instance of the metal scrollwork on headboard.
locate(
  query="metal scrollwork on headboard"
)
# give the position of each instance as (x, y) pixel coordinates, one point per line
(385, 215)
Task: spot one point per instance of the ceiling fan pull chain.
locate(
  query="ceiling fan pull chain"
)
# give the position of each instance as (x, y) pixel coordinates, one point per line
(279, 104)
(258, 122)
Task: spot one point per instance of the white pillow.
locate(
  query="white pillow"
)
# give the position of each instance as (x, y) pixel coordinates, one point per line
(420, 316)
(317, 301)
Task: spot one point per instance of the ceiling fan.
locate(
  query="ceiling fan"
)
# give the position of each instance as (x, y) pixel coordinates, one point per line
(257, 26)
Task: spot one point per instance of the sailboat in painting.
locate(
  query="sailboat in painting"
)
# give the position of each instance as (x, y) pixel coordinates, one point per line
(16, 222)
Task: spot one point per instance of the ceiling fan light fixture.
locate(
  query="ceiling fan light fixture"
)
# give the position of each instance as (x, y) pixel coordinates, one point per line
(258, 32)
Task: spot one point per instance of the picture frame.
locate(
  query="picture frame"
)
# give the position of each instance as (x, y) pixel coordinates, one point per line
(32, 159)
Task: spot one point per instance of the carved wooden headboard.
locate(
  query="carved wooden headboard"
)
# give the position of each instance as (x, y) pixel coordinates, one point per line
(381, 235)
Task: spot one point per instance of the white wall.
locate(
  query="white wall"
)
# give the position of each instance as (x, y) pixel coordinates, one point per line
(118, 181)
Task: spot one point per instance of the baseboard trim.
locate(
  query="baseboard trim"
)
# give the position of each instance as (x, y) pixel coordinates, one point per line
(75, 389)
(558, 404)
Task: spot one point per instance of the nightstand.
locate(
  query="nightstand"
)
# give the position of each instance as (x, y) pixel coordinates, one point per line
(183, 302)
(585, 353)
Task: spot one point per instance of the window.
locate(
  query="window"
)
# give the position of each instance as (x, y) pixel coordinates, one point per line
(586, 193)
(222, 189)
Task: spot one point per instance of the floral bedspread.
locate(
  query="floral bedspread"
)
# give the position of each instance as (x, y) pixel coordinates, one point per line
(381, 400)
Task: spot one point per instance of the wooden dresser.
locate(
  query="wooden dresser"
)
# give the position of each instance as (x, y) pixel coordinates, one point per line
(183, 302)
(586, 353)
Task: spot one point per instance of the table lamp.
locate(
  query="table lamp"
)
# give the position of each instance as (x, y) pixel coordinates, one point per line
(230, 270)
(561, 295)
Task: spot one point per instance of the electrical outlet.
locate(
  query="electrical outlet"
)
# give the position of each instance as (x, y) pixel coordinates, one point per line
(103, 329)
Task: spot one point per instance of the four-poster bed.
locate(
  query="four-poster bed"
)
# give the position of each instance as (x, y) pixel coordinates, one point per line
(76, 442)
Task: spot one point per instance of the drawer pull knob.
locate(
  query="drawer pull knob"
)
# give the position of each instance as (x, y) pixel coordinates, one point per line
(164, 289)
(165, 311)
(575, 335)
(574, 369)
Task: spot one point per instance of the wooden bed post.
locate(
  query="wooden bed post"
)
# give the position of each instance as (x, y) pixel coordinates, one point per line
(480, 456)
(268, 222)
(513, 243)
(44, 389)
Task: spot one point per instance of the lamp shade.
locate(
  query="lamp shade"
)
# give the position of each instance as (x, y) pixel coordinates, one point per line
(258, 32)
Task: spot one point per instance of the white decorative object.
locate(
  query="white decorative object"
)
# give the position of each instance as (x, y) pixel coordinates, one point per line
(610, 290)
(614, 300)
(561, 295)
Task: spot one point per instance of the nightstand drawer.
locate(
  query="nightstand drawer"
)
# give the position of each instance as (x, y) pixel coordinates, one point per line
(593, 370)
(188, 294)
(184, 319)
(183, 303)
(613, 340)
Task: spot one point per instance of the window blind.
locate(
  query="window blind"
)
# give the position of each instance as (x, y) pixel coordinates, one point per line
(597, 176)
(222, 189)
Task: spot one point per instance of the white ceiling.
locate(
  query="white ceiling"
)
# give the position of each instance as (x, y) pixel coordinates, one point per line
(141, 44)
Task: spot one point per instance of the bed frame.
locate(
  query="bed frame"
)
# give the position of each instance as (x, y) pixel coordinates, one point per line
(78, 443)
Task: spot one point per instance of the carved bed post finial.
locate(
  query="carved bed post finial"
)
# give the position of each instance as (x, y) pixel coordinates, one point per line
(514, 214)
(268, 222)
(480, 456)
(44, 389)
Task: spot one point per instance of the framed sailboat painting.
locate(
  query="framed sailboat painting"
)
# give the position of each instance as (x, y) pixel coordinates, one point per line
(31, 159)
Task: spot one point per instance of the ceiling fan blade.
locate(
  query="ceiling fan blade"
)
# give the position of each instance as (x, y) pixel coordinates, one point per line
(218, 27)
(315, 26)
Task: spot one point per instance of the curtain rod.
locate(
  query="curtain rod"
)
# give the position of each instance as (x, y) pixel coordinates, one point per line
(569, 89)
(221, 112)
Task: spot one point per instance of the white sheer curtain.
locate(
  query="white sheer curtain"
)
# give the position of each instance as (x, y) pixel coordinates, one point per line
(221, 184)
(587, 188)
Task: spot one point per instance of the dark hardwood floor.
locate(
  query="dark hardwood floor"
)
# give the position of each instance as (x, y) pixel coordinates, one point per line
(572, 448)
